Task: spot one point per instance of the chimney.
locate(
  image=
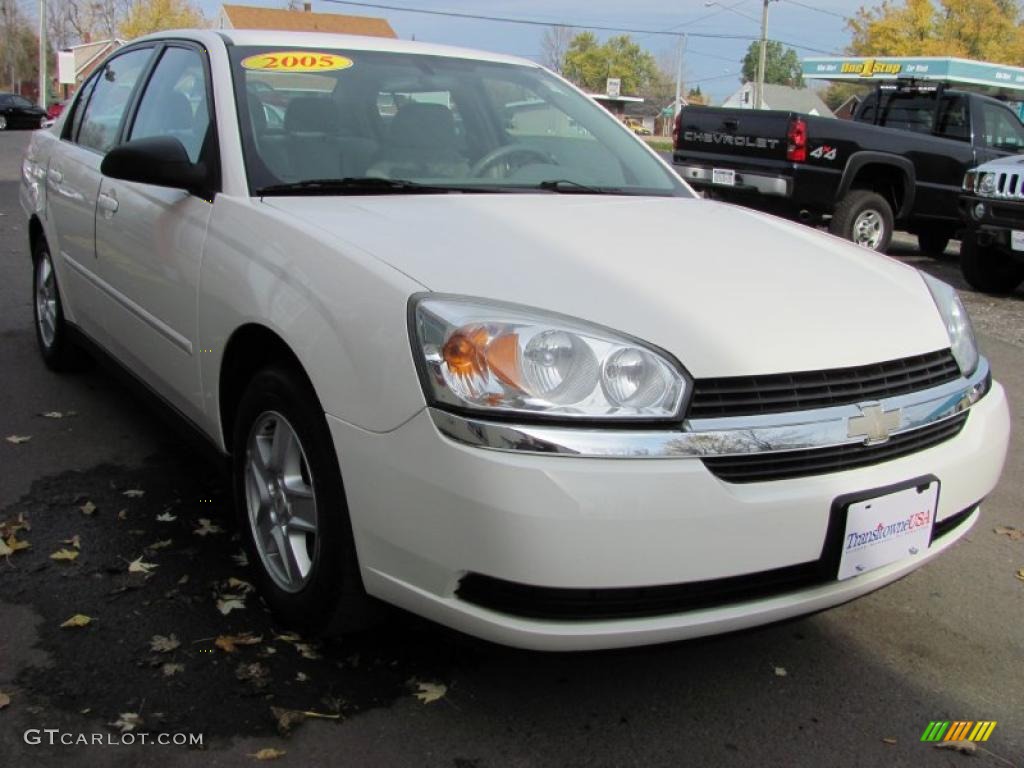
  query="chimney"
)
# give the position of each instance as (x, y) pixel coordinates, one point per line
(307, 7)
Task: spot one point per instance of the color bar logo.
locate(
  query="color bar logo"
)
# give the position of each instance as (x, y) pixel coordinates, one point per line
(958, 730)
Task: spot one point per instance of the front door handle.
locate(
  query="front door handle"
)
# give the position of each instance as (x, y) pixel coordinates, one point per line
(55, 176)
(108, 203)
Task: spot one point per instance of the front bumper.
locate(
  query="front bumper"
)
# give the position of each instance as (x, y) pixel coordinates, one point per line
(995, 225)
(426, 511)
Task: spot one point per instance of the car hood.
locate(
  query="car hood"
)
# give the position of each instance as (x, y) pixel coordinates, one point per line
(728, 291)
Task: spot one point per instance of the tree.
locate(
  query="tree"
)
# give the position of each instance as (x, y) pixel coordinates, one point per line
(589, 64)
(781, 64)
(148, 16)
(977, 29)
(19, 47)
(553, 47)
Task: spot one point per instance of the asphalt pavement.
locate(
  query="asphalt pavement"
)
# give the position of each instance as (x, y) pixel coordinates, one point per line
(854, 686)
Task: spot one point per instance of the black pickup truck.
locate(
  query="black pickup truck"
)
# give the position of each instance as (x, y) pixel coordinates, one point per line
(899, 163)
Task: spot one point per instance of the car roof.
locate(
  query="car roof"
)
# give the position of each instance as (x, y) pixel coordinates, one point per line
(284, 39)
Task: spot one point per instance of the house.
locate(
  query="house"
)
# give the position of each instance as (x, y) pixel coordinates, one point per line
(85, 58)
(251, 17)
(802, 100)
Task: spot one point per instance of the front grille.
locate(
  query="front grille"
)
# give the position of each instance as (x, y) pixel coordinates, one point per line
(1009, 185)
(582, 604)
(783, 392)
(783, 465)
(1008, 212)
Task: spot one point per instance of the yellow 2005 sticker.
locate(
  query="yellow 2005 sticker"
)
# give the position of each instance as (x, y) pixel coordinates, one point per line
(296, 61)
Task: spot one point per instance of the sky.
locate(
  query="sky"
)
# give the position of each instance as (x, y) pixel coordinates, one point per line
(813, 27)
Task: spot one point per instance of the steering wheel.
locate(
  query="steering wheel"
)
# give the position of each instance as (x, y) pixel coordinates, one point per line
(484, 165)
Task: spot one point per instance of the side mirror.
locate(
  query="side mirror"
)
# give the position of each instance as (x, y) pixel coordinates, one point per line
(158, 160)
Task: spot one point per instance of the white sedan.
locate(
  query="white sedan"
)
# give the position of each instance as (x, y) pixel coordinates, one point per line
(474, 350)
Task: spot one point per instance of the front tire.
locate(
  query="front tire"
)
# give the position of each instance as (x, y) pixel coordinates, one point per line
(291, 506)
(864, 217)
(988, 268)
(55, 345)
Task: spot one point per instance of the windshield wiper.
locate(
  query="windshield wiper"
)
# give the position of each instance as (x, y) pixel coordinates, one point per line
(568, 186)
(361, 185)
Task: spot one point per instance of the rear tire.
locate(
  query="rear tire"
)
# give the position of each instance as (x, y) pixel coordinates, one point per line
(865, 218)
(988, 268)
(52, 333)
(933, 243)
(291, 507)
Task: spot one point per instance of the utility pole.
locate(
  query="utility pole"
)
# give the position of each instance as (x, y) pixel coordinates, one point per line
(679, 76)
(42, 53)
(759, 96)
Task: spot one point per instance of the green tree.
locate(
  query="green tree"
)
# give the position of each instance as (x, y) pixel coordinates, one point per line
(781, 64)
(989, 30)
(589, 63)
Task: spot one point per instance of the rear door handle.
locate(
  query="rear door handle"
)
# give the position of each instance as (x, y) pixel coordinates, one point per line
(107, 202)
(55, 176)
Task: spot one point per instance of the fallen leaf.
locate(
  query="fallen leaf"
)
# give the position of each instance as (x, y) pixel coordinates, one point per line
(11, 527)
(963, 747)
(889, 740)
(1019, 574)
(52, 415)
(14, 544)
(65, 554)
(162, 644)
(781, 672)
(88, 508)
(307, 651)
(183, 580)
(122, 514)
(161, 544)
(1015, 534)
(229, 643)
(4, 699)
(229, 603)
(429, 692)
(288, 637)
(18, 439)
(78, 620)
(134, 493)
(245, 586)
(170, 670)
(74, 541)
(127, 721)
(5, 551)
(241, 559)
(255, 674)
(137, 566)
(166, 517)
(268, 753)
(206, 527)
(301, 677)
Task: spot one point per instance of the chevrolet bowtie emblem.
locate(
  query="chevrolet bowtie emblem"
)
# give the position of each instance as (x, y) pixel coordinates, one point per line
(874, 424)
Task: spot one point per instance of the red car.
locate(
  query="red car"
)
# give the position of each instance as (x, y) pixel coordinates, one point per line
(54, 110)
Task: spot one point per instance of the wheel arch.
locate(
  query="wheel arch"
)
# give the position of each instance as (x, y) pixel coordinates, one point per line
(249, 349)
(891, 176)
(35, 234)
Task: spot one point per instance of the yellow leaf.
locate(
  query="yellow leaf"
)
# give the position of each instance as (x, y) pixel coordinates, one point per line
(429, 692)
(15, 545)
(5, 551)
(88, 508)
(268, 753)
(1020, 574)
(18, 439)
(4, 699)
(229, 643)
(74, 541)
(65, 554)
(137, 566)
(78, 620)
(207, 527)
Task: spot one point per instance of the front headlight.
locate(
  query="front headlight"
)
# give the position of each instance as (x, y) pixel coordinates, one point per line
(987, 183)
(957, 322)
(495, 357)
(970, 181)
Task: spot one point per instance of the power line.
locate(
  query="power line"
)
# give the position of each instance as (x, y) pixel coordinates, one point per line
(538, 23)
(819, 10)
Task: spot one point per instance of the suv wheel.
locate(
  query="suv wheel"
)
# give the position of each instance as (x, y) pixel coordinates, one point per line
(865, 218)
(988, 268)
(291, 506)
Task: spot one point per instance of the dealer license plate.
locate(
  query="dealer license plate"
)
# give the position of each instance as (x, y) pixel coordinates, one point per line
(884, 529)
(724, 176)
(1017, 239)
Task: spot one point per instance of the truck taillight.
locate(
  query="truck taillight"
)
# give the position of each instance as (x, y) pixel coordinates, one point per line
(796, 137)
(677, 130)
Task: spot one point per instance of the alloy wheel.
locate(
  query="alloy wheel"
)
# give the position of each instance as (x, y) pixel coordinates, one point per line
(47, 300)
(868, 229)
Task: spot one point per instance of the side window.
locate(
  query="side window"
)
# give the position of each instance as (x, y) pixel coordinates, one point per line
(954, 120)
(109, 99)
(75, 123)
(1003, 130)
(175, 101)
(909, 112)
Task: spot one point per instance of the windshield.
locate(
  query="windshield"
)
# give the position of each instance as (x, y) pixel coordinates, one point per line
(318, 115)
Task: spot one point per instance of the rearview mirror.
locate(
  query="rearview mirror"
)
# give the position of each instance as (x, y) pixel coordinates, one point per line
(159, 160)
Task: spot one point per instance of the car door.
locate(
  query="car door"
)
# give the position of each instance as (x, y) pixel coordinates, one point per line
(998, 132)
(149, 239)
(73, 183)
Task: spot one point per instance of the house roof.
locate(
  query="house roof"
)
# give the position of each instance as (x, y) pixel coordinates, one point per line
(786, 98)
(250, 17)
